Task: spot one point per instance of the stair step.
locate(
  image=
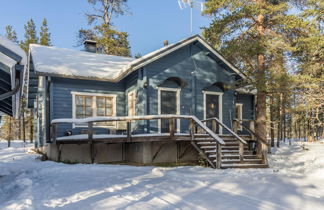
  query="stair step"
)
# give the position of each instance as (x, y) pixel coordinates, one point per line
(234, 151)
(236, 156)
(206, 143)
(201, 135)
(232, 147)
(245, 165)
(204, 139)
(245, 161)
(208, 147)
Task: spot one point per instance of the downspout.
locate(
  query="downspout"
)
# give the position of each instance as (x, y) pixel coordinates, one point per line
(12, 92)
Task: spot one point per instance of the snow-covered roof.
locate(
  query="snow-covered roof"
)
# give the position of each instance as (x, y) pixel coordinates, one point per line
(55, 61)
(12, 58)
(77, 64)
(249, 89)
(14, 48)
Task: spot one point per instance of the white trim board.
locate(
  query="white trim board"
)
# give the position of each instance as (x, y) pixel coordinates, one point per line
(134, 102)
(240, 117)
(220, 106)
(94, 106)
(177, 90)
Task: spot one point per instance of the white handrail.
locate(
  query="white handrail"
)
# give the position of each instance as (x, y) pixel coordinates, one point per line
(144, 117)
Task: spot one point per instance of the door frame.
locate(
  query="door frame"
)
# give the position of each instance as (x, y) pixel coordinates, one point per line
(239, 128)
(177, 90)
(220, 106)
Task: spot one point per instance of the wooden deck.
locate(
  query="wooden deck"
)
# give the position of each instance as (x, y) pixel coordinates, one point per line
(214, 148)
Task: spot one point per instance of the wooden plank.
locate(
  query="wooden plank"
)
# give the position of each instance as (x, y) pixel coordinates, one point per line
(171, 127)
(54, 133)
(241, 151)
(59, 148)
(129, 131)
(218, 156)
(90, 140)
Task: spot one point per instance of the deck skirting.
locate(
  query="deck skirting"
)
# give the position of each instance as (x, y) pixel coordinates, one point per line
(147, 153)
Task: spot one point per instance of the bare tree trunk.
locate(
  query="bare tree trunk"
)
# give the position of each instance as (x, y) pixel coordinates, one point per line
(271, 120)
(279, 121)
(24, 126)
(284, 118)
(261, 109)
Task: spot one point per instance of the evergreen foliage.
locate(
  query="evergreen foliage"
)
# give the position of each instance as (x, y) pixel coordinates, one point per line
(30, 35)
(109, 40)
(11, 34)
(282, 53)
(45, 35)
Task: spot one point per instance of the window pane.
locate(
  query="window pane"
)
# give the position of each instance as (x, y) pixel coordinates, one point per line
(109, 102)
(100, 112)
(100, 102)
(88, 112)
(89, 101)
(109, 112)
(79, 100)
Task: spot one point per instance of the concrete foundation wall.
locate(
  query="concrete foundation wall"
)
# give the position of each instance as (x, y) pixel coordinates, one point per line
(137, 153)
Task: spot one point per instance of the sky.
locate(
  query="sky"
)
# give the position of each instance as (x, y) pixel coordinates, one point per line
(148, 22)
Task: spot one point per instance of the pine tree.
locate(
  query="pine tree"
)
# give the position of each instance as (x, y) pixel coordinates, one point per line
(252, 34)
(310, 75)
(30, 35)
(109, 40)
(11, 34)
(45, 35)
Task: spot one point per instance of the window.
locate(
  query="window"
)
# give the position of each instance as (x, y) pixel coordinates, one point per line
(105, 107)
(83, 106)
(239, 114)
(93, 105)
(131, 103)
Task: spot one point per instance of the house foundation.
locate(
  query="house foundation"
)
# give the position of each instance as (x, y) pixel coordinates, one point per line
(143, 153)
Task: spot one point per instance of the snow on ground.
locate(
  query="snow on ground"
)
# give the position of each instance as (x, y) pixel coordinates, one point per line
(294, 181)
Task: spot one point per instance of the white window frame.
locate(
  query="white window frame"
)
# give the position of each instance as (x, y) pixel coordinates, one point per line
(241, 115)
(94, 106)
(134, 102)
(220, 106)
(177, 90)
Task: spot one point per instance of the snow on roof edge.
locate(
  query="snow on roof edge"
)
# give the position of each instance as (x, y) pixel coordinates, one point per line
(14, 48)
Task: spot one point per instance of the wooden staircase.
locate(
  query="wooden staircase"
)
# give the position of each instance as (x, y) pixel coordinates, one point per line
(230, 154)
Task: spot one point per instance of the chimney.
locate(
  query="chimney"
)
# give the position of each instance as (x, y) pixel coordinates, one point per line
(90, 46)
(166, 43)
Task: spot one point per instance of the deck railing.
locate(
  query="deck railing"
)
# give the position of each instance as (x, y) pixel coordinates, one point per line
(241, 141)
(261, 143)
(194, 122)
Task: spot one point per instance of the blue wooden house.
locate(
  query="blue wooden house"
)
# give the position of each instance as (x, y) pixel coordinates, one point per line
(13, 62)
(177, 104)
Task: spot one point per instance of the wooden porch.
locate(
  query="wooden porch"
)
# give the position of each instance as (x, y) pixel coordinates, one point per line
(218, 151)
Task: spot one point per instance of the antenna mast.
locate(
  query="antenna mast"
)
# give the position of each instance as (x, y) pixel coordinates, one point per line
(191, 3)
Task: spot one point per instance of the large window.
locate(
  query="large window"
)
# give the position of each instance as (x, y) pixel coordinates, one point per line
(94, 105)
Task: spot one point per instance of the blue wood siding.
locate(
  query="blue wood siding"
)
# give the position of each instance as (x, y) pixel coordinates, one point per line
(62, 98)
(248, 109)
(191, 64)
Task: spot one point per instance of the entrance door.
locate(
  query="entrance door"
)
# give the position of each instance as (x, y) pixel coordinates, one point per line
(212, 105)
(168, 105)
